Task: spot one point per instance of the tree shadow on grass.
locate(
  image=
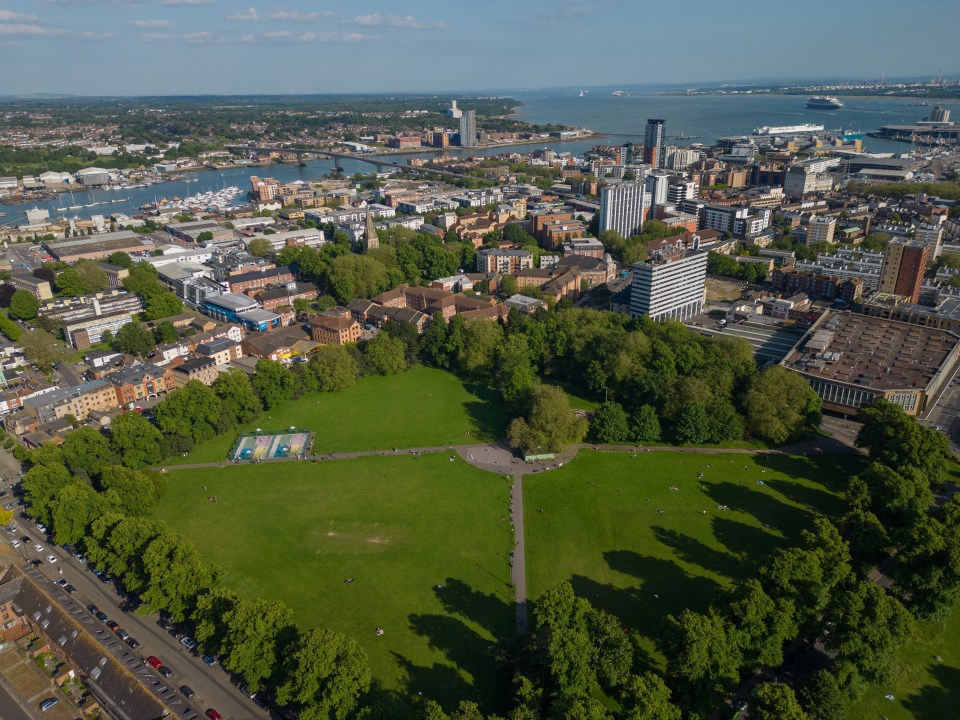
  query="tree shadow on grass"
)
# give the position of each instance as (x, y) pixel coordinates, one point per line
(485, 609)
(442, 683)
(746, 542)
(936, 702)
(748, 498)
(695, 552)
(469, 651)
(831, 471)
(486, 412)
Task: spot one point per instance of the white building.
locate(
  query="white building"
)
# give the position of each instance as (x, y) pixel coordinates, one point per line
(624, 207)
(658, 184)
(821, 229)
(468, 128)
(671, 285)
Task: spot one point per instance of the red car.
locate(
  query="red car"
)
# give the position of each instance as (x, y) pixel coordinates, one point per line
(153, 662)
(213, 714)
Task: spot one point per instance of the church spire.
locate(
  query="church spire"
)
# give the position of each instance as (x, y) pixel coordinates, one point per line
(370, 239)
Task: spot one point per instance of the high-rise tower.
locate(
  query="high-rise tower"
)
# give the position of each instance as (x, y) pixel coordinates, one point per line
(653, 143)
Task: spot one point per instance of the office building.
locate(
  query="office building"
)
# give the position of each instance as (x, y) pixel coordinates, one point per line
(904, 263)
(624, 207)
(468, 128)
(820, 230)
(670, 285)
(658, 184)
(653, 143)
(680, 190)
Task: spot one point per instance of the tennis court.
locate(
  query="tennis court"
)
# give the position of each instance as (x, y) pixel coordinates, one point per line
(262, 446)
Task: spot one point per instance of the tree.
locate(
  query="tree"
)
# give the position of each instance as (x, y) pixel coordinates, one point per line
(41, 485)
(69, 283)
(23, 305)
(42, 348)
(563, 646)
(433, 342)
(611, 648)
(778, 403)
(237, 396)
(352, 276)
(92, 277)
(509, 286)
(260, 247)
(74, 510)
(776, 701)
(702, 658)
(385, 355)
(160, 303)
(135, 490)
(645, 425)
(6, 294)
(548, 425)
(134, 339)
(164, 332)
(481, 340)
(692, 424)
(210, 618)
(142, 275)
(120, 259)
(273, 382)
(334, 368)
(192, 411)
(514, 369)
(325, 673)
(87, 450)
(609, 424)
(646, 697)
(897, 440)
(255, 630)
(174, 575)
(135, 440)
(760, 625)
(822, 698)
(898, 499)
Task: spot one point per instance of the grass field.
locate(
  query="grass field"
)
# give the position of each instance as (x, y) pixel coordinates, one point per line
(602, 528)
(399, 526)
(422, 407)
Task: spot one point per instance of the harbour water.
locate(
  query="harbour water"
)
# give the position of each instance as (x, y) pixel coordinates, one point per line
(706, 117)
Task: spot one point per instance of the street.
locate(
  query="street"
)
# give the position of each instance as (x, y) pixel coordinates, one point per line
(212, 685)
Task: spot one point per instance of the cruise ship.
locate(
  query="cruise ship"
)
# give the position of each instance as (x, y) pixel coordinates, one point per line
(786, 129)
(824, 102)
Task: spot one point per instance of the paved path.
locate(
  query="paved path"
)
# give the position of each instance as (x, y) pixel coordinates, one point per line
(519, 565)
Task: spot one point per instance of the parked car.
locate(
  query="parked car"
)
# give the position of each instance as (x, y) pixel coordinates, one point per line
(70, 588)
(49, 703)
(188, 642)
(165, 671)
(61, 582)
(93, 609)
(153, 662)
(16, 543)
(132, 643)
(113, 625)
(187, 691)
(100, 615)
(164, 623)
(213, 714)
(122, 634)
(51, 559)
(38, 547)
(210, 660)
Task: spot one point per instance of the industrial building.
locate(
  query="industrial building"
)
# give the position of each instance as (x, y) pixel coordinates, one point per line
(851, 360)
(98, 247)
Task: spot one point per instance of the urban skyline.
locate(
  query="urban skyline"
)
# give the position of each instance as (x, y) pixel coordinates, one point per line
(390, 48)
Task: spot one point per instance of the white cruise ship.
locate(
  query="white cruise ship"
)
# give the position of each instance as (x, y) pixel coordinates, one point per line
(787, 129)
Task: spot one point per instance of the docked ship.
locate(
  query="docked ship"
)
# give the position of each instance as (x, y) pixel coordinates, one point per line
(824, 102)
(787, 129)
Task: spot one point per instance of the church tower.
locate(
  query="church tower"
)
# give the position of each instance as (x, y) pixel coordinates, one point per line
(370, 239)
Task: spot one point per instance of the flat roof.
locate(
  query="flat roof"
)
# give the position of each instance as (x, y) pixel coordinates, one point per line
(873, 352)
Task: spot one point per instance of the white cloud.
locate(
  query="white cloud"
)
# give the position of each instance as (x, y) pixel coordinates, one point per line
(194, 38)
(95, 36)
(249, 14)
(297, 16)
(26, 29)
(406, 22)
(9, 16)
(152, 24)
(327, 37)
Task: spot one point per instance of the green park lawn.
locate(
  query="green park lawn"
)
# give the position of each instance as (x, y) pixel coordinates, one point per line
(399, 526)
(421, 407)
(602, 528)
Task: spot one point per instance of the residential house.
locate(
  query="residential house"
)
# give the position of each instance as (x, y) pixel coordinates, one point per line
(202, 369)
(138, 382)
(334, 329)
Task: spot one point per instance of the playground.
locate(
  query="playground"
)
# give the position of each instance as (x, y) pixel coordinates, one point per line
(266, 445)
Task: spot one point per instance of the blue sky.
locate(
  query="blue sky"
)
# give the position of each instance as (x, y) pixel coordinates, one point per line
(134, 47)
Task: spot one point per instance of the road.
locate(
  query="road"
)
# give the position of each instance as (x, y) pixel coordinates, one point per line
(519, 560)
(11, 709)
(212, 685)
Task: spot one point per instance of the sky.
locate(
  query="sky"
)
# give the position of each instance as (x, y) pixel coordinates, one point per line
(173, 47)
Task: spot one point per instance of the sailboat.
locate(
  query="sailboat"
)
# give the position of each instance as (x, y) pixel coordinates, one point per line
(581, 93)
(74, 201)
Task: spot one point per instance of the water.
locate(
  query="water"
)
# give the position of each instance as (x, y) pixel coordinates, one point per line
(707, 116)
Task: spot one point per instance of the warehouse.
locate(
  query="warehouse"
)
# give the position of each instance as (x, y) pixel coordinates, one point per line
(98, 247)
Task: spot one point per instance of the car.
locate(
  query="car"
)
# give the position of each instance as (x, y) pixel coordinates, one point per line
(36, 563)
(164, 623)
(165, 671)
(210, 660)
(70, 549)
(49, 703)
(93, 609)
(188, 642)
(132, 643)
(153, 661)
(51, 559)
(38, 547)
(41, 527)
(246, 691)
(213, 714)
(80, 558)
(113, 625)
(70, 588)
(122, 634)
(16, 543)
(25, 538)
(100, 615)
(740, 705)
(187, 691)
(61, 582)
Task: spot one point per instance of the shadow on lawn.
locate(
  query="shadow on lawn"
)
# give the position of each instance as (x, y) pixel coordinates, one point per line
(486, 413)
(750, 499)
(831, 471)
(470, 652)
(746, 543)
(935, 702)
(695, 552)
